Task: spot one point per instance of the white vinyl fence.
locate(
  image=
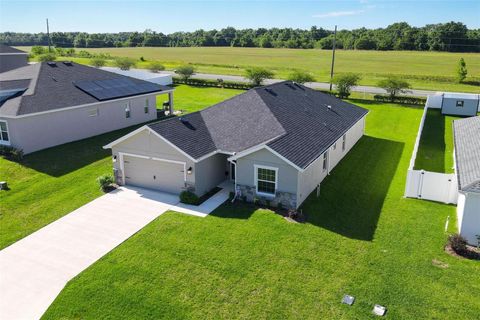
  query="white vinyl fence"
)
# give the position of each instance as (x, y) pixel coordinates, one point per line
(421, 184)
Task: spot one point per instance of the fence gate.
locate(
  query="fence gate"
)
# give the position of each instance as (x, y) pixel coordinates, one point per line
(441, 187)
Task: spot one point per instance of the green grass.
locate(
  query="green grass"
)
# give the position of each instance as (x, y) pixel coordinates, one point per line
(435, 152)
(48, 184)
(423, 69)
(361, 237)
(190, 99)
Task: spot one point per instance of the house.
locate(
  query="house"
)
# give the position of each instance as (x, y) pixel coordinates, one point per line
(159, 78)
(467, 169)
(276, 142)
(51, 103)
(11, 58)
(455, 103)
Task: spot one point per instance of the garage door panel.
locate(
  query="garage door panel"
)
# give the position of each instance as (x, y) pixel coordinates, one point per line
(154, 174)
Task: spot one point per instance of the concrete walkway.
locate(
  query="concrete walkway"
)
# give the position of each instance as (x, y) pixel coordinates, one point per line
(35, 269)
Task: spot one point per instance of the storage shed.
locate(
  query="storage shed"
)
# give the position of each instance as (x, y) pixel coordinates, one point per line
(460, 104)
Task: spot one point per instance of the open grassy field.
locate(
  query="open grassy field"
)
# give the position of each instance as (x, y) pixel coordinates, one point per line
(424, 70)
(241, 262)
(435, 152)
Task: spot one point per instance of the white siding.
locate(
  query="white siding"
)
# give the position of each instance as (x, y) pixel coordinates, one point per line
(468, 213)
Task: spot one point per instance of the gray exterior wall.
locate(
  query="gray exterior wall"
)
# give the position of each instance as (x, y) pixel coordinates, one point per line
(470, 107)
(12, 61)
(468, 214)
(293, 186)
(210, 172)
(148, 144)
(314, 174)
(39, 131)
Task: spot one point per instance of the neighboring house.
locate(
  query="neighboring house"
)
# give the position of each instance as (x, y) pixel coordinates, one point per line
(11, 58)
(455, 103)
(276, 142)
(158, 78)
(47, 104)
(467, 165)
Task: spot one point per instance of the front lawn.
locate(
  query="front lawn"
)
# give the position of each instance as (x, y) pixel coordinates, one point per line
(435, 152)
(361, 237)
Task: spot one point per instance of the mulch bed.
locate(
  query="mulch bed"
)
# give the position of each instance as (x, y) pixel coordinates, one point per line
(473, 253)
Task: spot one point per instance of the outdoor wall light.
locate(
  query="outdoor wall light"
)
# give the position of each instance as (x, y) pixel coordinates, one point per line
(114, 158)
(189, 170)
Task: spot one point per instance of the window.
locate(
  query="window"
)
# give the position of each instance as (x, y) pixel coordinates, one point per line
(325, 161)
(127, 110)
(344, 142)
(266, 180)
(93, 112)
(459, 103)
(147, 105)
(4, 132)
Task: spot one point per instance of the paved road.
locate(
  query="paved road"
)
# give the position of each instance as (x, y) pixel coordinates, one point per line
(316, 85)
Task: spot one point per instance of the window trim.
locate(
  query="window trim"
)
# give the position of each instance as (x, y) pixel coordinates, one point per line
(325, 161)
(344, 142)
(462, 103)
(255, 172)
(3, 142)
(128, 113)
(146, 108)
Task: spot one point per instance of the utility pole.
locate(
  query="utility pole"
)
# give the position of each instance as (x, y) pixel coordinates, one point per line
(333, 57)
(48, 36)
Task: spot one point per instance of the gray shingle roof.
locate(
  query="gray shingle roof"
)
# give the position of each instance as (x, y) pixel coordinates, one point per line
(467, 153)
(7, 49)
(51, 88)
(293, 120)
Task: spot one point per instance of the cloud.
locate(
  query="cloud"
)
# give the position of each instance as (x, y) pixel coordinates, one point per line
(338, 14)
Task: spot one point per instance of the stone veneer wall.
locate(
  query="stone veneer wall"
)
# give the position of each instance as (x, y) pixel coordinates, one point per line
(287, 199)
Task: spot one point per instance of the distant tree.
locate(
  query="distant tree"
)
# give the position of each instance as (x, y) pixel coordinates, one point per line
(258, 75)
(156, 66)
(124, 63)
(300, 76)
(185, 71)
(461, 70)
(38, 50)
(394, 85)
(97, 62)
(344, 83)
(47, 57)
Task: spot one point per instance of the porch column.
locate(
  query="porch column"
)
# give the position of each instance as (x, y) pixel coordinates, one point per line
(170, 102)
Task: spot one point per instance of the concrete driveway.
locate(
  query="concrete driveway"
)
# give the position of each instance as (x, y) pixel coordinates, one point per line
(35, 269)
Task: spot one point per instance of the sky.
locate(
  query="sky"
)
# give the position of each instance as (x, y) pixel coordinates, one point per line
(182, 15)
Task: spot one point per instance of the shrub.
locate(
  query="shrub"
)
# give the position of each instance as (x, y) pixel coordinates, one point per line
(188, 197)
(213, 83)
(301, 77)
(457, 243)
(156, 66)
(84, 54)
(38, 50)
(461, 70)
(258, 75)
(124, 63)
(401, 99)
(47, 57)
(185, 71)
(105, 182)
(142, 59)
(11, 153)
(394, 85)
(98, 62)
(345, 82)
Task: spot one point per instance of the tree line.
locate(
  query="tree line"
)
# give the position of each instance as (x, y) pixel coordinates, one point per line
(450, 36)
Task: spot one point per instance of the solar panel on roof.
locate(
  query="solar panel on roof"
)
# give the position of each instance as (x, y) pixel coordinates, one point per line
(9, 94)
(115, 88)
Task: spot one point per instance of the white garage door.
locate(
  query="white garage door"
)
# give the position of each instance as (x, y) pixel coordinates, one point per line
(154, 174)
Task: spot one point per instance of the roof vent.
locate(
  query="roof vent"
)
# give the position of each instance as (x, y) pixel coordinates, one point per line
(52, 63)
(68, 63)
(186, 123)
(271, 92)
(329, 107)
